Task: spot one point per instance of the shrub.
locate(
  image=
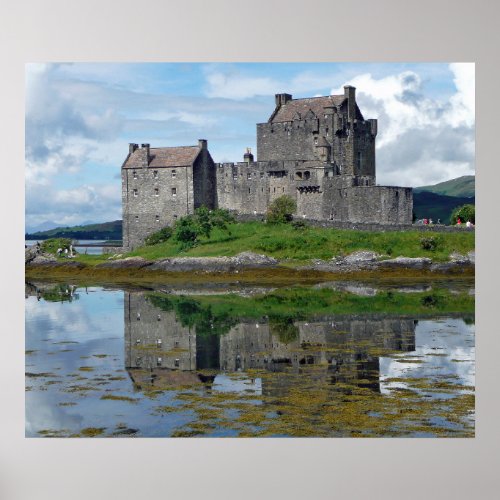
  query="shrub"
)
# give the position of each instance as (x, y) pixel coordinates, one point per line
(465, 213)
(188, 229)
(300, 224)
(429, 243)
(159, 237)
(53, 244)
(281, 210)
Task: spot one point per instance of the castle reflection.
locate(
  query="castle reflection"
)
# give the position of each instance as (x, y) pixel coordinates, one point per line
(180, 346)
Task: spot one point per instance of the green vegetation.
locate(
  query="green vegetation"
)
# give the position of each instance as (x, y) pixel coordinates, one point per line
(464, 213)
(281, 210)
(159, 237)
(277, 240)
(189, 230)
(461, 187)
(104, 231)
(53, 244)
(219, 313)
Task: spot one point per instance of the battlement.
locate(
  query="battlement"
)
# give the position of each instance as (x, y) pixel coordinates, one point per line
(320, 151)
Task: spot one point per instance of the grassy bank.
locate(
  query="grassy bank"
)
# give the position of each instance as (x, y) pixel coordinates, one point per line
(284, 242)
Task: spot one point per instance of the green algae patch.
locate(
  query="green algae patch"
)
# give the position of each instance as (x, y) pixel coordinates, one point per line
(92, 431)
(113, 397)
(86, 369)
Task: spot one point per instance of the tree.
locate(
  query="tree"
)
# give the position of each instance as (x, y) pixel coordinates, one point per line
(464, 213)
(190, 228)
(281, 210)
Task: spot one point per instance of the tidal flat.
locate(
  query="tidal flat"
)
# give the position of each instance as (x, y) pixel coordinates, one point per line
(379, 357)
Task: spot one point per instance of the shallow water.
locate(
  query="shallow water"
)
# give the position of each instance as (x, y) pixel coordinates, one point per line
(113, 362)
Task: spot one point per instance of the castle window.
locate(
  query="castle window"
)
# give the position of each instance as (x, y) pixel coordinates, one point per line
(283, 190)
(157, 192)
(174, 192)
(177, 362)
(134, 174)
(175, 216)
(248, 190)
(155, 174)
(159, 361)
(274, 190)
(136, 218)
(135, 192)
(235, 177)
(359, 159)
(173, 173)
(307, 175)
(315, 141)
(262, 175)
(157, 218)
(249, 175)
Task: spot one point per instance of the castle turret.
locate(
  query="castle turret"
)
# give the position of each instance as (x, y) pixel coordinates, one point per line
(350, 94)
(248, 156)
(282, 99)
(323, 149)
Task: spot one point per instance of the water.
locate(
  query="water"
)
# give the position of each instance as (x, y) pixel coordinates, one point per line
(81, 246)
(152, 363)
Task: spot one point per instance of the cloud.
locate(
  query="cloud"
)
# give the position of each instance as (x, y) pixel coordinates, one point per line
(422, 140)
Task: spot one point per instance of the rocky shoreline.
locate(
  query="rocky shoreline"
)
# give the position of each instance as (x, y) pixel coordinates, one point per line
(355, 262)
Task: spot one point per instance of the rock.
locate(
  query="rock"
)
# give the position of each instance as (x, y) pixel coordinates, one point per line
(43, 259)
(406, 262)
(458, 258)
(244, 260)
(127, 263)
(250, 259)
(472, 256)
(361, 257)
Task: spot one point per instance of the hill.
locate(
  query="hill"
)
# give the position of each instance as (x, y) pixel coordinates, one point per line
(104, 231)
(436, 206)
(462, 187)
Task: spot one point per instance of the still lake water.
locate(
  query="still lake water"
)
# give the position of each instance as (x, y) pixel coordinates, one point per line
(160, 363)
(81, 246)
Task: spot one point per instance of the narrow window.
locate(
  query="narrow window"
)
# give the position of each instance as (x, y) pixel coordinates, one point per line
(249, 175)
(136, 193)
(155, 174)
(159, 362)
(134, 174)
(157, 192)
(274, 190)
(173, 173)
(177, 362)
(359, 159)
(262, 175)
(157, 218)
(175, 216)
(174, 192)
(136, 218)
(248, 190)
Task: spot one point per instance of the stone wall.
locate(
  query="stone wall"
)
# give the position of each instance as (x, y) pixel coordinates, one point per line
(152, 199)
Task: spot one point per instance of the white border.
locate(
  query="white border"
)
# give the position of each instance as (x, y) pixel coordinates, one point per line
(250, 30)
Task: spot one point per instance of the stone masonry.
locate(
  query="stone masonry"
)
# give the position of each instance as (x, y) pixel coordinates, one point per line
(319, 150)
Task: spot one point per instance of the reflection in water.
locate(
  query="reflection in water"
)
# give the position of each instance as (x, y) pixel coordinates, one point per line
(114, 363)
(159, 347)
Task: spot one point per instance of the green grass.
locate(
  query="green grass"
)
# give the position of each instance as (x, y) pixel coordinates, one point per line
(284, 242)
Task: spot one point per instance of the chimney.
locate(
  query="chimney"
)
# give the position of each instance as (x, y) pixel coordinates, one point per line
(132, 147)
(146, 147)
(202, 143)
(350, 94)
(248, 156)
(282, 99)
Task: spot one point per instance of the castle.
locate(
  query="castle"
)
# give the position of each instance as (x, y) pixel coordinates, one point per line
(318, 150)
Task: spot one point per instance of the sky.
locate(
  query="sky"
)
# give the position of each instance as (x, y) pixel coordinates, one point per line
(80, 118)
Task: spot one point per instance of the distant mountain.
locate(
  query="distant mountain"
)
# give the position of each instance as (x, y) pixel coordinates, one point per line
(104, 231)
(427, 205)
(44, 226)
(463, 187)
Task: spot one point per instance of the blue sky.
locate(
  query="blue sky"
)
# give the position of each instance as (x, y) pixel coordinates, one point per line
(80, 118)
